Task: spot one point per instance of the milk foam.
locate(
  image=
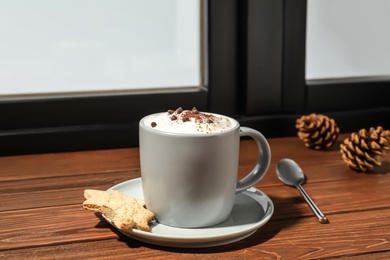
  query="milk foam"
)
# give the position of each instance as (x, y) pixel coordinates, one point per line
(188, 121)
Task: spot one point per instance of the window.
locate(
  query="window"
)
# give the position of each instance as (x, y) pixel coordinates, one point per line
(349, 82)
(44, 123)
(354, 102)
(255, 70)
(71, 46)
(346, 38)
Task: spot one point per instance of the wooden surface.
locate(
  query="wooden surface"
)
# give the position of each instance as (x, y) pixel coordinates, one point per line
(41, 213)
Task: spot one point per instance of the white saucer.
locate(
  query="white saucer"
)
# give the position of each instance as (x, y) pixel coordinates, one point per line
(252, 209)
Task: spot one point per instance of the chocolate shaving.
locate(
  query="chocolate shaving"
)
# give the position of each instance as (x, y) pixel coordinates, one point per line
(179, 110)
(195, 111)
(188, 115)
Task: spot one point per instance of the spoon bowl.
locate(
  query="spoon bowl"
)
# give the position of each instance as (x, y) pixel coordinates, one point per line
(291, 174)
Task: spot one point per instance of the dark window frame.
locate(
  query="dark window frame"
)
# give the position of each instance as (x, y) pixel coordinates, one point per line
(256, 73)
(354, 103)
(57, 123)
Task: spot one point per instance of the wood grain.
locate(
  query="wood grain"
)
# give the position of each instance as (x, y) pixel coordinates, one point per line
(41, 214)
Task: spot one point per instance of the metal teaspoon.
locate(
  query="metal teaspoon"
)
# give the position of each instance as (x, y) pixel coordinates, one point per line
(291, 174)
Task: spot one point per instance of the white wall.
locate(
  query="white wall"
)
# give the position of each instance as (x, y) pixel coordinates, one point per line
(84, 45)
(348, 38)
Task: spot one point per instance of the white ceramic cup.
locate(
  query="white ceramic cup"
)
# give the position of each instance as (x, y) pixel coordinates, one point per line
(190, 180)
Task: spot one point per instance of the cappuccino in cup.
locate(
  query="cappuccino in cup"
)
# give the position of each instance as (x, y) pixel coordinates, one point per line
(189, 165)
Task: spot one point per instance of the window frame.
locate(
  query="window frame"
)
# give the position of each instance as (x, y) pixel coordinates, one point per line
(354, 103)
(56, 123)
(258, 80)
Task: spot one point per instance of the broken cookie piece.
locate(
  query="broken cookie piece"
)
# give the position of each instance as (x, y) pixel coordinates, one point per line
(124, 211)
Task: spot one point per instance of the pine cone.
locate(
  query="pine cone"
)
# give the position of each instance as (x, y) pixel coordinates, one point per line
(317, 131)
(361, 151)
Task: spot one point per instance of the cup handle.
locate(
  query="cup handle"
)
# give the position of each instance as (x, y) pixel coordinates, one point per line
(263, 160)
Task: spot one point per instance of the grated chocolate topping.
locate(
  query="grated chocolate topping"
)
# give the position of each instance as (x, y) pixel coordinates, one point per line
(189, 121)
(187, 115)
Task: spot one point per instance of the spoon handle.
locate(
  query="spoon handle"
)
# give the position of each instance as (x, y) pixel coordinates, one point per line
(321, 217)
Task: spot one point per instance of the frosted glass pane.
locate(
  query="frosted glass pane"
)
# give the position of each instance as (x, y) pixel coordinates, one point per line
(88, 45)
(347, 38)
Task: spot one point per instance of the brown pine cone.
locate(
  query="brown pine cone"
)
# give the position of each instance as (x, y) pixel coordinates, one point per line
(317, 131)
(361, 151)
